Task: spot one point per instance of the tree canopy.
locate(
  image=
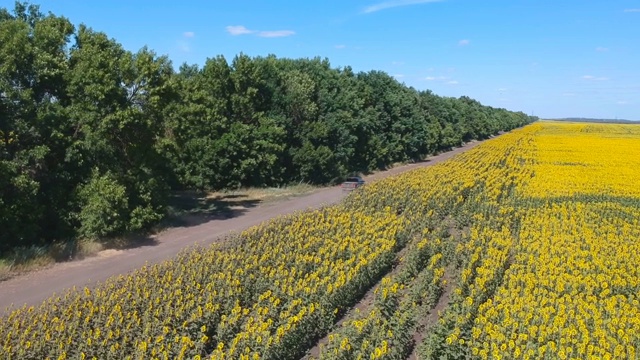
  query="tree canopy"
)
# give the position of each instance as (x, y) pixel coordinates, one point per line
(93, 137)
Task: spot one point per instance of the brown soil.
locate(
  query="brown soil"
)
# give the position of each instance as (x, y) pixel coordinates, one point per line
(427, 322)
(362, 306)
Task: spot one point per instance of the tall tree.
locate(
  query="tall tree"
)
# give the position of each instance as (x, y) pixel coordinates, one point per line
(33, 126)
(117, 100)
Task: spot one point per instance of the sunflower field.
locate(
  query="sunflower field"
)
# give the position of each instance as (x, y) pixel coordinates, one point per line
(551, 272)
(525, 247)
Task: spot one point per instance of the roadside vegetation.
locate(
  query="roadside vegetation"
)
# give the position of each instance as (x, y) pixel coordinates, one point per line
(97, 140)
(184, 208)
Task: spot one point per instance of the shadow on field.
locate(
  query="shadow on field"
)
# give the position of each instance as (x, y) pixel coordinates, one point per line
(191, 208)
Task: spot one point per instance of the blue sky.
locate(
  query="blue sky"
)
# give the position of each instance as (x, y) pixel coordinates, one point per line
(560, 58)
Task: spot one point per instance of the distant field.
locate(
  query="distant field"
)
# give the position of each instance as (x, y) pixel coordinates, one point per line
(523, 247)
(571, 281)
(608, 121)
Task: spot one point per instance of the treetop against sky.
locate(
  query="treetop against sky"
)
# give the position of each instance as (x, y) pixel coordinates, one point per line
(548, 58)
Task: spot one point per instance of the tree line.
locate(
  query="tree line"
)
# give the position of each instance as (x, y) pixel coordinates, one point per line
(93, 138)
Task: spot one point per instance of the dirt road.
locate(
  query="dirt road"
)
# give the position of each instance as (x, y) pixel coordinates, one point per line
(35, 287)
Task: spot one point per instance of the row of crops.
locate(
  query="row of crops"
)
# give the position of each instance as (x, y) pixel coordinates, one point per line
(532, 236)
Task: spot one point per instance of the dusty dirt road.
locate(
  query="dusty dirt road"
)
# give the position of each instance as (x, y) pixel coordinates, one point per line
(35, 287)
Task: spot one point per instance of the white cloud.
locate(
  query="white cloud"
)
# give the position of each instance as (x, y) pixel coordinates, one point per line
(341, 46)
(601, 49)
(398, 75)
(622, 102)
(595, 78)
(442, 79)
(183, 46)
(241, 30)
(502, 89)
(184, 43)
(395, 3)
(238, 30)
(568, 94)
(464, 42)
(631, 10)
(276, 33)
(397, 62)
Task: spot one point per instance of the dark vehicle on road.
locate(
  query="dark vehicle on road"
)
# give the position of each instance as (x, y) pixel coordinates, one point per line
(352, 183)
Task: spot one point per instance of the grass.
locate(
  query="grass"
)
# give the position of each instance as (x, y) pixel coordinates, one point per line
(225, 204)
(188, 207)
(241, 197)
(267, 195)
(27, 259)
(5, 270)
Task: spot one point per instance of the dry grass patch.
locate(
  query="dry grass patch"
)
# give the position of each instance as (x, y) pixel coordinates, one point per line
(24, 260)
(227, 203)
(266, 195)
(5, 270)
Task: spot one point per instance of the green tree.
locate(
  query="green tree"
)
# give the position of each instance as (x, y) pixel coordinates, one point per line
(104, 206)
(117, 100)
(33, 126)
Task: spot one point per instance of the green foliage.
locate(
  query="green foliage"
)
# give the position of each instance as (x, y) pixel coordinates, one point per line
(104, 206)
(73, 100)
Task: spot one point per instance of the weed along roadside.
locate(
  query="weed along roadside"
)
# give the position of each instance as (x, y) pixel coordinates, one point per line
(196, 226)
(187, 208)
